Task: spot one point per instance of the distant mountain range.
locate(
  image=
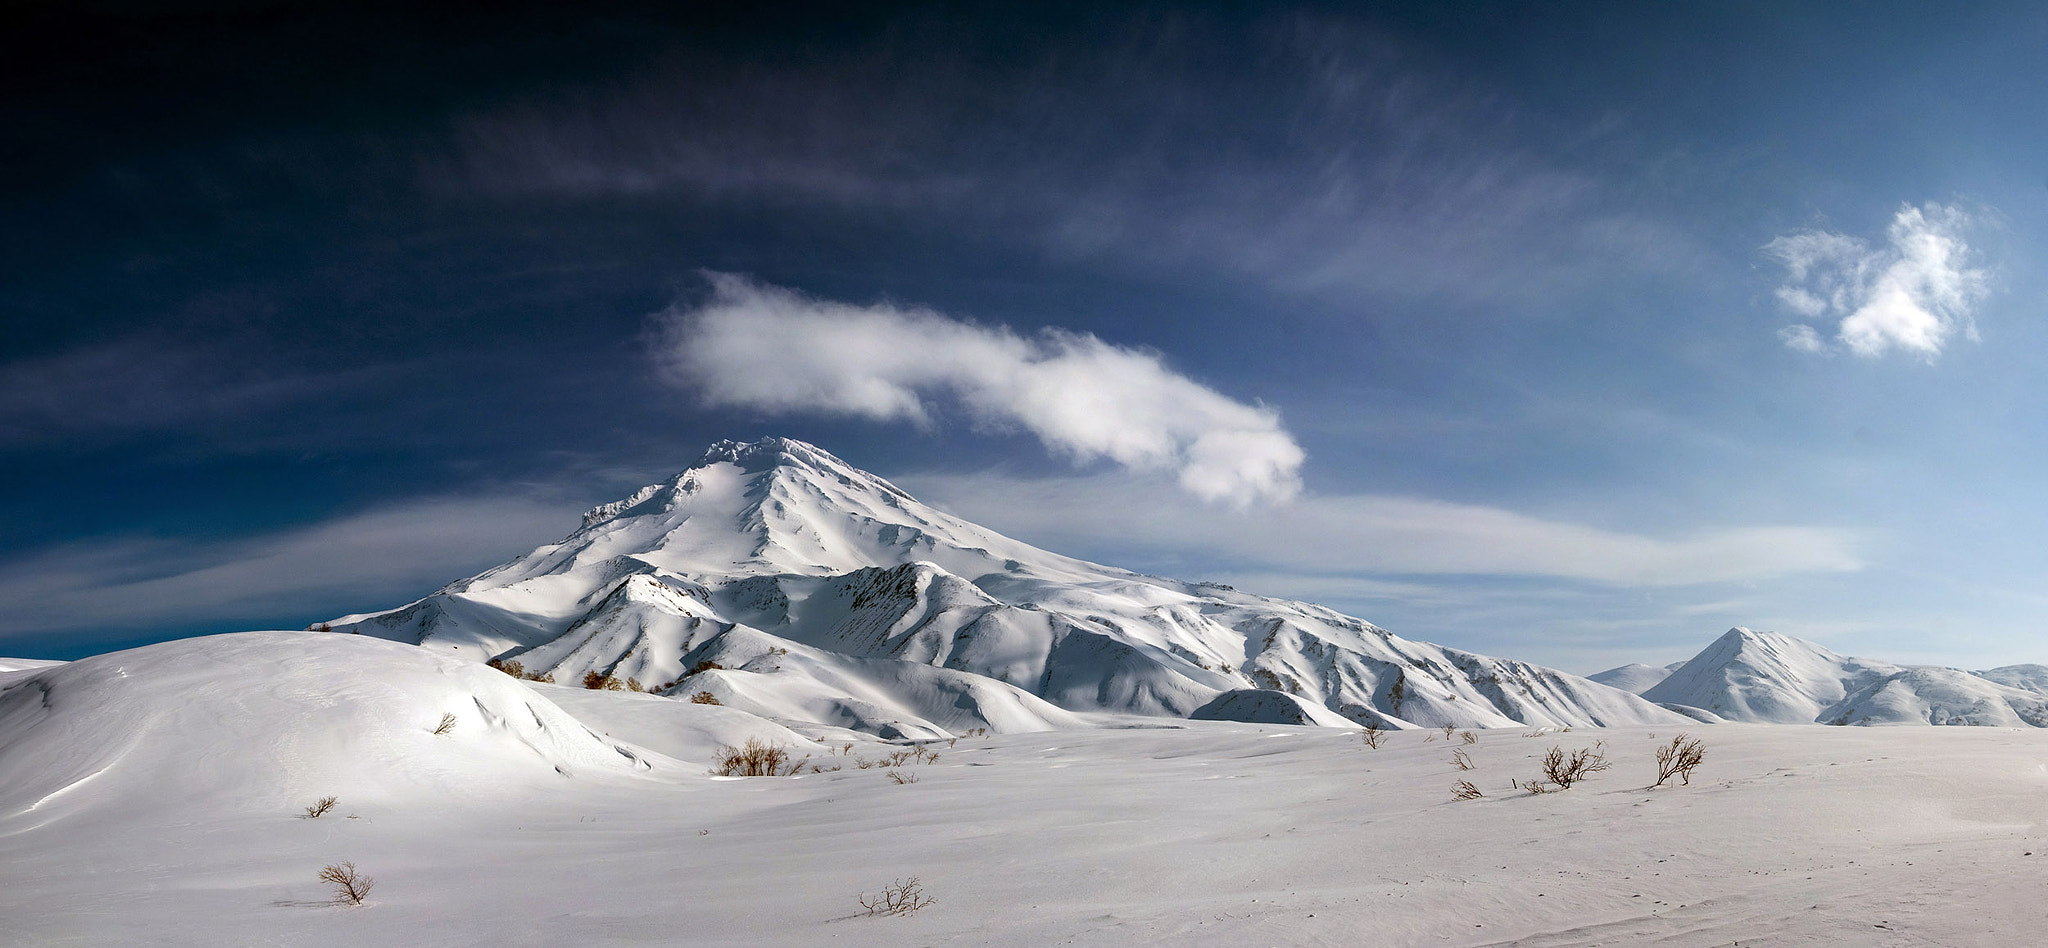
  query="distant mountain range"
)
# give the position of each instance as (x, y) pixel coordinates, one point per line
(778, 579)
(1764, 677)
(775, 578)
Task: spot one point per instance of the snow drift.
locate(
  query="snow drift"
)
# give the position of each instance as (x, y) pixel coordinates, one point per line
(275, 720)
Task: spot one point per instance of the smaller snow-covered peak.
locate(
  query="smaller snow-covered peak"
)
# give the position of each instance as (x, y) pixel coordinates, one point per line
(1747, 675)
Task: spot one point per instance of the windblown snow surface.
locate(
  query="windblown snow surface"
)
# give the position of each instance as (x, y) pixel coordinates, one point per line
(156, 796)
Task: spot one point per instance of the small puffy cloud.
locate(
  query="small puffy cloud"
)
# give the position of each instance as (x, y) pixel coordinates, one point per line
(1911, 294)
(777, 350)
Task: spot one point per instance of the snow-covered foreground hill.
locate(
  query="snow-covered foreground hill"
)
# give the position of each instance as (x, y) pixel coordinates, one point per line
(156, 796)
(779, 579)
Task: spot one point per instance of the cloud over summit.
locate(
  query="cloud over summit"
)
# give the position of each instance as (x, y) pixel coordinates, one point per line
(776, 350)
(1912, 294)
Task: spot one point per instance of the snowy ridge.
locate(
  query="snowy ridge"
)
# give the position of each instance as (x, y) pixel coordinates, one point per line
(778, 578)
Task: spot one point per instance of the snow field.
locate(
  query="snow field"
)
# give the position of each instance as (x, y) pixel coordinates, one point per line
(1190, 833)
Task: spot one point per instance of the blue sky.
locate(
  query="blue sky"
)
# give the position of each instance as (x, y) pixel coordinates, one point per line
(1480, 321)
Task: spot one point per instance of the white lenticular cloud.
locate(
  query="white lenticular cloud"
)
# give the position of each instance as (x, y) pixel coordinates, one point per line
(1911, 294)
(777, 350)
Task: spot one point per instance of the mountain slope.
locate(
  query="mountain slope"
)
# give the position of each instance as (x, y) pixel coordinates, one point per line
(1943, 696)
(780, 579)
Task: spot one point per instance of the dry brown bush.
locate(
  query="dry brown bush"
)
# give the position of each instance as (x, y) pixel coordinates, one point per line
(447, 724)
(1462, 760)
(350, 886)
(902, 778)
(1563, 770)
(1464, 790)
(1468, 737)
(1678, 758)
(754, 759)
(594, 680)
(1448, 731)
(1373, 735)
(319, 807)
(901, 897)
(704, 697)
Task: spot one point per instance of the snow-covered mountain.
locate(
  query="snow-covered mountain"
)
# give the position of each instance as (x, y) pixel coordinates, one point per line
(776, 578)
(1766, 677)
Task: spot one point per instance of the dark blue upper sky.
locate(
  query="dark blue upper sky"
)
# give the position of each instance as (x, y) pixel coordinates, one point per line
(1599, 329)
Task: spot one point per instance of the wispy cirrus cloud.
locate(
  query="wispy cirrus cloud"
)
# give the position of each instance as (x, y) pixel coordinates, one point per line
(1913, 294)
(776, 350)
(367, 560)
(1317, 154)
(1374, 535)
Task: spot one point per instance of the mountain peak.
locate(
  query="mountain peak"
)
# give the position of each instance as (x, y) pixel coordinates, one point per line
(768, 452)
(753, 457)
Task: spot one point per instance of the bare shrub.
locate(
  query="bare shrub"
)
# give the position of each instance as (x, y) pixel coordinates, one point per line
(901, 778)
(754, 759)
(1678, 759)
(1464, 790)
(633, 684)
(546, 679)
(350, 886)
(512, 667)
(1373, 735)
(1565, 769)
(703, 666)
(1448, 731)
(319, 807)
(1462, 760)
(319, 627)
(594, 680)
(446, 726)
(704, 697)
(901, 897)
(1468, 737)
